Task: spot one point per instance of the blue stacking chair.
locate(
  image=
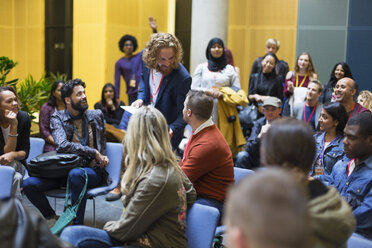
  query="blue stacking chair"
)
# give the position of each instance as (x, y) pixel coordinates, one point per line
(114, 152)
(358, 241)
(239, 174)
(201, 225)
(36, 148)
(6, 181)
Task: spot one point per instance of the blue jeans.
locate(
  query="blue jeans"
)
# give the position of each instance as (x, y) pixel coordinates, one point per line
(84, 236)
(34, 188)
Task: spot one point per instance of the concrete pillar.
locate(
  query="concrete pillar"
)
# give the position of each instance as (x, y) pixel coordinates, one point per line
(209, 19)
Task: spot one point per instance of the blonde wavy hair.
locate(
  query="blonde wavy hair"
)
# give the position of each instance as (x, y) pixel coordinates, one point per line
(146, 144)
(367, 99)
(158, 41)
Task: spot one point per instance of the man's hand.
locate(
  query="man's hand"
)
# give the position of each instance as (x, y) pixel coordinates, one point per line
(263, 130)
(101, 160)
(11, 117)
(215, 93)
(137, 103)
(6, 158)
(153, 24)
(170, 133)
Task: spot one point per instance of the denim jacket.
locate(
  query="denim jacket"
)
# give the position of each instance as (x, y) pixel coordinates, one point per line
(333, 153)
(356, 189)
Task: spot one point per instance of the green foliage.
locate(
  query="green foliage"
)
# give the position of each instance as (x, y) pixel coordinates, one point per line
(33, 94)
(6, 65)
(54, 77)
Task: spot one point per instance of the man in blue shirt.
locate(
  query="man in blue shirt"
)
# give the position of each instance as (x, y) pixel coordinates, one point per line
(353, 178)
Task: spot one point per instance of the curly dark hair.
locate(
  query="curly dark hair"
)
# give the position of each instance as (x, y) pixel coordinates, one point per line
(347, 73)
(124, 39)
(68, 87)
(52, 101)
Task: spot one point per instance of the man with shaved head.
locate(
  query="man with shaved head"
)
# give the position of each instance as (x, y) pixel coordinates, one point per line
(345, 90)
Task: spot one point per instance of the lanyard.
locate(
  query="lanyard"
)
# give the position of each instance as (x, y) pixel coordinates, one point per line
(323, 148)
(311, 115)
(348, 166)
(78, 135)
(351, 114)
(303, 80)
(157, 91)
(187, 146)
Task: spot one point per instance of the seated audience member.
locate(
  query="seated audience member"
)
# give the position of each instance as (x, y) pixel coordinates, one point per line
(214, 74)
(250, 158)
(345, 90)
(365, 99)
(266, 82)
(289, 143)
(328, 142)
(73, 130)
(22, 228)
(53, 104)
(207, 159)
(340, 70)
(110, 105)
(267, 210)
(156, 192)
(281, 66)
(310, 110)
(14, 136)
(353, 177)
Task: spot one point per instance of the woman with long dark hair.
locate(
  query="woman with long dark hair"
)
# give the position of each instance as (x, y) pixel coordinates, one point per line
(53, 104)
(265, 83)
(110, 105)
(329, 146)
(340, 70)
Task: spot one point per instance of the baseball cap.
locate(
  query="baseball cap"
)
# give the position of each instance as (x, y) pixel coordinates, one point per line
(272, 101)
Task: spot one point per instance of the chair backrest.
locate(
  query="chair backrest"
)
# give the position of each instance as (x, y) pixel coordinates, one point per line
(357, 241)
(240, 173)
(114, 152)
(6, 181)
(201, 225)
(36, 148)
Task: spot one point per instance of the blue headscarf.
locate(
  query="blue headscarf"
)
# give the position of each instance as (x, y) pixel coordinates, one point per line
(216, 64)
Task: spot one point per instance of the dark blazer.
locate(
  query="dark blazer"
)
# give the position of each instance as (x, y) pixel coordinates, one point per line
(171, 96)
(23, 139)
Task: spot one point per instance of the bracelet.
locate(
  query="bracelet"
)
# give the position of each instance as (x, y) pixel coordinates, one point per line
(13, 135)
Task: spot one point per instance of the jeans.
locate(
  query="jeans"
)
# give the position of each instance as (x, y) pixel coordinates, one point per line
(84, 236)
(34, 188)
(245, 161)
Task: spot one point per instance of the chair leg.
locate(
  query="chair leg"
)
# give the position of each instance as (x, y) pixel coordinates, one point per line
(94, 211)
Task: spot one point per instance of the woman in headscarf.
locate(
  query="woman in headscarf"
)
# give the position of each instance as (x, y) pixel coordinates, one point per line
(215, 73)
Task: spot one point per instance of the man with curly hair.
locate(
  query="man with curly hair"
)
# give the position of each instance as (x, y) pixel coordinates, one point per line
(165, 82)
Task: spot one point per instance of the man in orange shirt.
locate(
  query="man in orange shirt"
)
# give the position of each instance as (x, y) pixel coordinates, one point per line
(207, 159)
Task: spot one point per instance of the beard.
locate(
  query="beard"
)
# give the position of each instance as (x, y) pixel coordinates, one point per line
(79, 107)
(165, 70)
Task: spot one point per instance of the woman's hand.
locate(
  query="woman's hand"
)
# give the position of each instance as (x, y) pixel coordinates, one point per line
(11, 117)
(290, 87)
(215, 93)
(110, 104)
